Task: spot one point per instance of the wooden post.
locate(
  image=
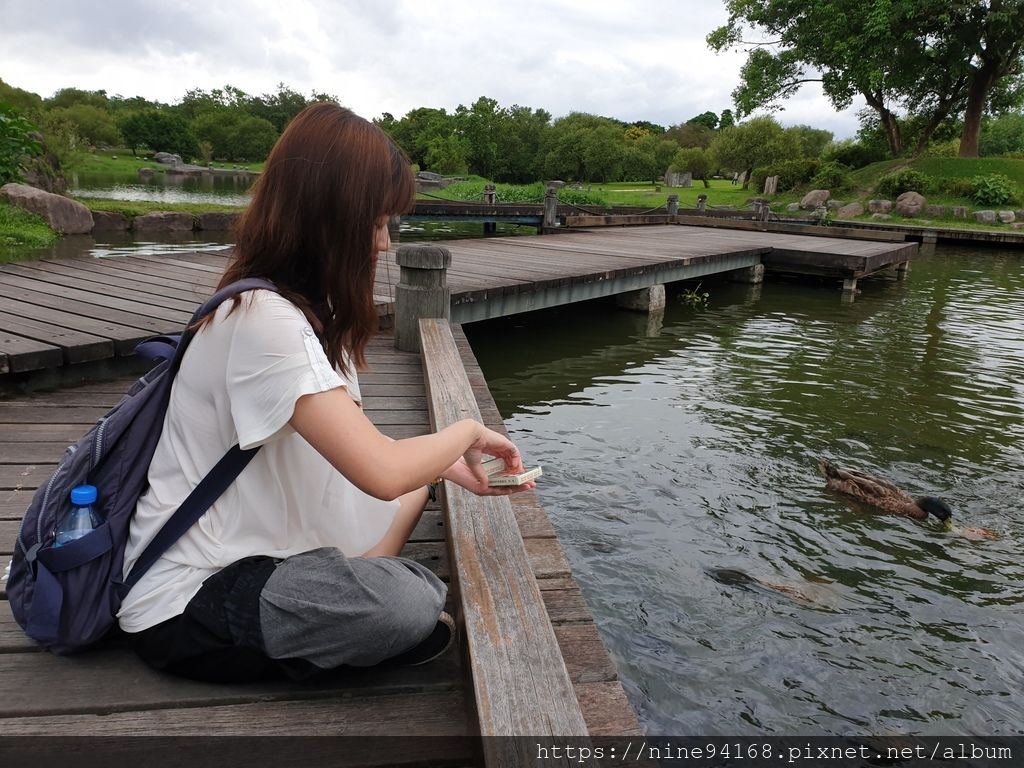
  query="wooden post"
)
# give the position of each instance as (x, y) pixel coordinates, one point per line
(490, 198)
(395, 229)
(702, 203)
(550, 208)
(422, 291)
(673, 205)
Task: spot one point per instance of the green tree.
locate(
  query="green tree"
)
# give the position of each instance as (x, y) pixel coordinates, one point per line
(26, 102)
(69, 97)
(160, 130)
(278, 108)
(479, 125)
(604, 153)
(415, 132)
(756, 142)
(448, 155)
(897, 54)
(811, 140)
(16, 144)
(691, 135)
(94, 126)
(726, 120)
(696, 161)
(709, 119)
(1002, 135)
(234, 134)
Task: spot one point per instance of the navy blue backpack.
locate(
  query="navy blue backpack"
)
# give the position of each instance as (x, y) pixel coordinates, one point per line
(67, 598)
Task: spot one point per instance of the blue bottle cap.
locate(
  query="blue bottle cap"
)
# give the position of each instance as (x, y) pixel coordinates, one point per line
(83, 494)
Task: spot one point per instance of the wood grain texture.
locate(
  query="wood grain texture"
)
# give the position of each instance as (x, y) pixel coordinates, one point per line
(521, 685)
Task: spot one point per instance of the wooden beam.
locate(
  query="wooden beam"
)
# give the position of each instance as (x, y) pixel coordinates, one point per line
(519, 678)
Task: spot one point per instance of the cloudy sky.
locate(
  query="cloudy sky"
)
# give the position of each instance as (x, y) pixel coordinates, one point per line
(635, 60)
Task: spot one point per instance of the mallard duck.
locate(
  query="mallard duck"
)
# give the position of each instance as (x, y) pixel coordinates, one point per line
(881, 493)
(732, 577)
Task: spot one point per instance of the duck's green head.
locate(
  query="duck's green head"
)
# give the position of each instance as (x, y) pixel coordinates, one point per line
(938, 509)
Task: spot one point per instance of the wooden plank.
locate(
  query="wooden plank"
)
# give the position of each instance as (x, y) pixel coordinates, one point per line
(585, 656)
(113, 269)
(566, 606)
(437, 713)
(520, 681)
(112, 679)
(144, 322)
(11, 281)
(76, 346)
(26, 354)
(18, 476)
(124, 337)
(607, 710)
(108, 286)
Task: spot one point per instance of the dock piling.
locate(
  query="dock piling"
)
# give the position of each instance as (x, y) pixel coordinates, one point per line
(550, 207)
(672, 205)
(490, 198)
(702, 203)
(749, 275)
(422, 291)
(928, 242)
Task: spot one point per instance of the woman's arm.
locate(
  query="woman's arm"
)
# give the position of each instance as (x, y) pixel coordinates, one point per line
(340, 432)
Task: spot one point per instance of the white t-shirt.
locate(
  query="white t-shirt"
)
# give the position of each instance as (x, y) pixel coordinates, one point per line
(238, 383)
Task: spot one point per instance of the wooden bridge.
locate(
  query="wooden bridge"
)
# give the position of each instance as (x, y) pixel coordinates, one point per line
(61, 312)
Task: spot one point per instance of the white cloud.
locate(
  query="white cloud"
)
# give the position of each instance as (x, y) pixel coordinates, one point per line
(642, 61)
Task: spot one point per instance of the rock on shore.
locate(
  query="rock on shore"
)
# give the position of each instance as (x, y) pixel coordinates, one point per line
(64, 215)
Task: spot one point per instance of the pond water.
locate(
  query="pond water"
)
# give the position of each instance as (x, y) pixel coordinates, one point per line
(221, 190)
(673, 451)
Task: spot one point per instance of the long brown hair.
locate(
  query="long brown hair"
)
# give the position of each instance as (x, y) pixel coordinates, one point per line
(310, 227)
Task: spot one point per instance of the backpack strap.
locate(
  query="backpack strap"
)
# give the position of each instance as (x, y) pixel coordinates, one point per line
(226, 470)
(194, 507)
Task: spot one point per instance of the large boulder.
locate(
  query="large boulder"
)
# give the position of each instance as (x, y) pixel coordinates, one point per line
(814, 198)
(163, 221)
(166, 158)
(960, 212)
(109, 221)
(218, 221)
(985, 217)
(64, 215)
(937, 211)
(880, 206)
(793, 207)
(851, 211)
(910, 204)
(1007, 217)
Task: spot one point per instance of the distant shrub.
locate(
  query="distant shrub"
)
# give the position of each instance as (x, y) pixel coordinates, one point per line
(791, 173)
(832, 176)
(949, 148)
(956, 187)
(993, 189)
(852, 154)
(522, 193)
(895, 184)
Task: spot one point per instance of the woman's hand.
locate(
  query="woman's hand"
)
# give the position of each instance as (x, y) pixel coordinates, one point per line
(460, 474)
(491, 443)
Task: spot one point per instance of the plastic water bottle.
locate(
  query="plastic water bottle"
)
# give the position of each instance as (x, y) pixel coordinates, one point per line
(81, 518)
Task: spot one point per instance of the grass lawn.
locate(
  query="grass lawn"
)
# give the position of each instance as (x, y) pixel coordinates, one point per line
(132, 208)
(21, 228)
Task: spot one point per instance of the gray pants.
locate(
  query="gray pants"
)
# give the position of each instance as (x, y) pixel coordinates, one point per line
(330, 610)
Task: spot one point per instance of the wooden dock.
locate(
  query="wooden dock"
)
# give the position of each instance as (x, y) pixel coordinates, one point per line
(61, 312)
(544, 630)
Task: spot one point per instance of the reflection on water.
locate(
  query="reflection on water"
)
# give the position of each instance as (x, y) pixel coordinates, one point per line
(220, 190)
(673, 459)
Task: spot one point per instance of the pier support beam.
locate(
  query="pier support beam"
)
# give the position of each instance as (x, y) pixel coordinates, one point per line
(650, 299)
(422, 291)
(850, 286)
(673, 205)
(749, 275)
(928, 241)
(902, 270)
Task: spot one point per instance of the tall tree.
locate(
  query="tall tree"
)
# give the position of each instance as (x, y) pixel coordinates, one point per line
(988, 45)
(756, 142)
(894, 53)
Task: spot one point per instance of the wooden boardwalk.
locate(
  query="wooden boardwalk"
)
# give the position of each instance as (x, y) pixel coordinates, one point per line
(109, 692)
(60, 312)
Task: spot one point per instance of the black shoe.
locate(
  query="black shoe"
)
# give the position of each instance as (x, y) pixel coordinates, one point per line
(435, 644)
